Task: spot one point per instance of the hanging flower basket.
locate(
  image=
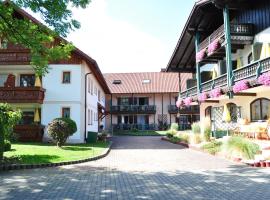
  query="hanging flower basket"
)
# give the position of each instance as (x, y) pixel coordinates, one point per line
(188, 101)
(200, 55)
(179, 103)
(264, 79)
(212, 47)
(240, 86)
(215, 93)
(202, 97)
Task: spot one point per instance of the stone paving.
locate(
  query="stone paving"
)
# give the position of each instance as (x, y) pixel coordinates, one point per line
(141, 168)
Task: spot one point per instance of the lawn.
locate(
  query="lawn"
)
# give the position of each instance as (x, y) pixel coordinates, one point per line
(37, 153)
(140, 133)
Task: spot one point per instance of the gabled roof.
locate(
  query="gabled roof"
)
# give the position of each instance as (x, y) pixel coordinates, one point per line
(205, 17)
(144, 82)
(92, 64)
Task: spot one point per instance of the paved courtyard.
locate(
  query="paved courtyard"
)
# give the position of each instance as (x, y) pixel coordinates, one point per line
(141, 168)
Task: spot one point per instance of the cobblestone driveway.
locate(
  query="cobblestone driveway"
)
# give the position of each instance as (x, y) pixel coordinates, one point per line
(141, 168)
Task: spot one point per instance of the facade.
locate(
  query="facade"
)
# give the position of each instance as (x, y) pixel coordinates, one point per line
(73, 88)
(229, 51)
(146, 101)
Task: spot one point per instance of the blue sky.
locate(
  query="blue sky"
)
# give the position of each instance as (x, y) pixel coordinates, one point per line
(131, 35)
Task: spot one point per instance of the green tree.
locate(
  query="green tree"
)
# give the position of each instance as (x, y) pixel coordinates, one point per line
(8, 118)
(44, 43)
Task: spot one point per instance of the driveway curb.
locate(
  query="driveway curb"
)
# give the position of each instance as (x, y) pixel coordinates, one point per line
(43, 165)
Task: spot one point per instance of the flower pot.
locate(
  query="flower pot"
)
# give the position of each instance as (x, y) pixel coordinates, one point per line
(267, 163)
(257, 164)
(263, 163)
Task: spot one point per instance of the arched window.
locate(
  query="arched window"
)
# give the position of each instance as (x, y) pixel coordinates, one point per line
(260, 109)
(208, 112)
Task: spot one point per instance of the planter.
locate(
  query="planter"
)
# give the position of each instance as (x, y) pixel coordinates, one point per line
(263, 163)
(220, 134)
(257, 164)
(267, 163)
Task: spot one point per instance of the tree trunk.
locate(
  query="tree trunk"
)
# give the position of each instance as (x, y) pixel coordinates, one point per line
(1, 142)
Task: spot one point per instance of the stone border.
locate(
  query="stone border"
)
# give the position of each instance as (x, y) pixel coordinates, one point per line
(43, 165)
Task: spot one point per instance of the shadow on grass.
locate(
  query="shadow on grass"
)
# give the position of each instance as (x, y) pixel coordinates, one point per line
(36, 159)
(76, 148)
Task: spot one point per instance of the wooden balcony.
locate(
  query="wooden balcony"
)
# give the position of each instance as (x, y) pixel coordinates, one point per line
(172, 109)
(133, 109)
(248, 72)
(22, 95)
(241, 34)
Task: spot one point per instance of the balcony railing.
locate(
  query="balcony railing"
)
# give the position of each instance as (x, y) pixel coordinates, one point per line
(142, 109)
(22, 95)
(239, 32)
(141, 127)
(172, 109)
(247, 72)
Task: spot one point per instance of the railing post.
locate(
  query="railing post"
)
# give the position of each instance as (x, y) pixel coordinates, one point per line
(227, 30)
(198, 73)
(259, 70)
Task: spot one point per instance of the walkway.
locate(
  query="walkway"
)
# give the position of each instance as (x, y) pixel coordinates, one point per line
(141, 168)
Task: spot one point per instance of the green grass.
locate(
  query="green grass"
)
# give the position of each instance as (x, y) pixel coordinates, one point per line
(212, 147)
(37, 153)
(140, 133)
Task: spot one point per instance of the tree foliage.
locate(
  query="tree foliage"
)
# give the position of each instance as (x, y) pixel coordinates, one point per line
(43, 43)
(8, 118)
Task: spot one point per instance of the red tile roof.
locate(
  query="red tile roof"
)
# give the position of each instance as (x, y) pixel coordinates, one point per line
(160, 82)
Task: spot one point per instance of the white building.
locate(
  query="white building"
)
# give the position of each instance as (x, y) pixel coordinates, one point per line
(73, 88)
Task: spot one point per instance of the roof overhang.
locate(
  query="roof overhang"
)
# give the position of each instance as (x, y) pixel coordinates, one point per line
(205, 17)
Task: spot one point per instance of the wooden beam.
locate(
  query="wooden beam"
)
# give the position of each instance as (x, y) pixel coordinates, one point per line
(211, 101)
(246, 94)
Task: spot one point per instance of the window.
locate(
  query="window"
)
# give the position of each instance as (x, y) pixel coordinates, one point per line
(66, 77)
(95, 90)
(3, 44)
(145, 81)
(99, 95)
(89, 85)
(27, 80)
(3, 79)
(250, 58)
(208, 112)
(66, 112)
(116, 82)
(92, 87)
(27, 117)
(260, 109)
(89, 117)
(124, 101)
(233, 111)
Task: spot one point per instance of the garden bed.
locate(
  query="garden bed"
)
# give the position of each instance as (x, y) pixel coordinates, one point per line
(33, 155)
(140, 133)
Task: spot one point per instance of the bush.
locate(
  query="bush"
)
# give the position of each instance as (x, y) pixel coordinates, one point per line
(240, 146)
(102, 136)
(212, 147)
(174, 126)
(171, 133)
(184, 137)
(60, 129)
(196, 138)
(175, 139)
(207, 132)
(7, 145)
(196, 128)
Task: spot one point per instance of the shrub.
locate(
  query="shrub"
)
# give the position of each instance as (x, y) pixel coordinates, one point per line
(196, 128)
(135, 130)
(207, 132)
(174, 126)
(196, 138)
(7, 145)
(171, 133)
(60, 129)
(175, 139)
(212, 147)
(102, 136)
(237, 145)
(184, 137)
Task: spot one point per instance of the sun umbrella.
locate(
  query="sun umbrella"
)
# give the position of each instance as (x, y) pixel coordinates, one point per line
(36, 116)
(265, 51)
(38, 82)
(226, 117)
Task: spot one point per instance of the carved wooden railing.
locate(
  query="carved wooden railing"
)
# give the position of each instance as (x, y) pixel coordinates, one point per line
(22, 95)
(251, 71)
(133, 109)
(236, 30)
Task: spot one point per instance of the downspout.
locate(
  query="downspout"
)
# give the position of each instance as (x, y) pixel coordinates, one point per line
(85, 104)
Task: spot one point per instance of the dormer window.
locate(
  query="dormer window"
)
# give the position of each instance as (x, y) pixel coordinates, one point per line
(116, 82)
(146, 81)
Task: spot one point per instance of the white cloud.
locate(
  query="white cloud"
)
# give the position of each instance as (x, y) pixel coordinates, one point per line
(116, 45)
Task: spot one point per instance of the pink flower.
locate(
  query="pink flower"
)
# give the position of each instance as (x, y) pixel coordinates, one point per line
(188, 101)
(202, 97)
(264, 79)
(240, 86)
(200, 55)
(213, 47)
(215, 93)
(179, 103)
